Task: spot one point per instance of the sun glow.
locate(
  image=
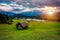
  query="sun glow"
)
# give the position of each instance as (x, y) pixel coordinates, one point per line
(49, 10)
(50, 13)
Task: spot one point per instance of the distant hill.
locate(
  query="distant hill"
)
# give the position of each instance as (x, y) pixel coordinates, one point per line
(7, 13)
(23, 14)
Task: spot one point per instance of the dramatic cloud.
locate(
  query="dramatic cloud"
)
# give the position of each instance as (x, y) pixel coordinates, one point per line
(5, 7)
(38, 2)
(43, 2)
(16, 8)
(5, 1)
(57, 2)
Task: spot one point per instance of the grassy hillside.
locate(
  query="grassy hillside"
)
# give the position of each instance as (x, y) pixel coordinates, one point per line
(36, 31)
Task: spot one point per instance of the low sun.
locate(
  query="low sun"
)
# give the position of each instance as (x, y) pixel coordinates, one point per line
(49, 10)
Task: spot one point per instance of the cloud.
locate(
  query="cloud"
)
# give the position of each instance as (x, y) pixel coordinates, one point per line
(38, 2)
(15, 8)
(43, 2)
(28, 10)
(5, 7)
(57, 2)
(1, 1)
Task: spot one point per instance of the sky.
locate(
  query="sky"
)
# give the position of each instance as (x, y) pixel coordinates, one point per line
(9, 8)
(45, 2)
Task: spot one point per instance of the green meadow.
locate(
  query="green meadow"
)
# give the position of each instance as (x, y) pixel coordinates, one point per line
(36, 31)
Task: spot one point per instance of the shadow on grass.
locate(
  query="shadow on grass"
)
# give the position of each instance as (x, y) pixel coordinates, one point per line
(15, 29)
(58, 32)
